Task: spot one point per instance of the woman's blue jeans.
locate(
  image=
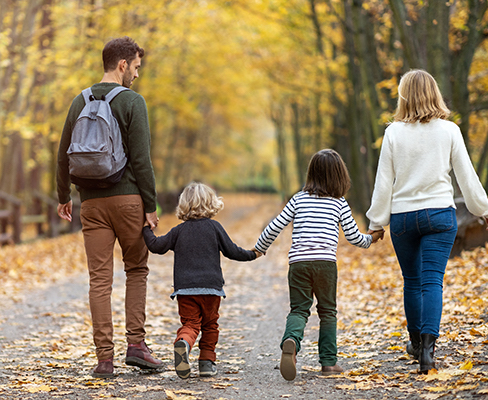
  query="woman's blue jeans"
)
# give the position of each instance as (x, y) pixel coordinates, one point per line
(423, 241)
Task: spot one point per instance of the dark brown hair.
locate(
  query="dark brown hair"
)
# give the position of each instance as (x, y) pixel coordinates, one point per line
(327, 175)
(123, 48)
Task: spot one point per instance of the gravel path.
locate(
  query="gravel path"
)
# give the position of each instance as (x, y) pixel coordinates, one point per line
(46, 348)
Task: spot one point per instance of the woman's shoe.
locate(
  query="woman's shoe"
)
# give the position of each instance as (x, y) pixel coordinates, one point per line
(427, 353)
(414, 345)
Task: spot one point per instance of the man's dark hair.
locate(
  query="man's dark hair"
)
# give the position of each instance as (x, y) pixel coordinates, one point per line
(120, 49)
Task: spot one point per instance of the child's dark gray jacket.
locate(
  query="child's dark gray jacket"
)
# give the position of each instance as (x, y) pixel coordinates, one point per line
(197, 244)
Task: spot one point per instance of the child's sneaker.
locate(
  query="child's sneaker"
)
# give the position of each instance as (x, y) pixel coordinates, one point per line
(182, 363)
(207, 368)
(288, 362)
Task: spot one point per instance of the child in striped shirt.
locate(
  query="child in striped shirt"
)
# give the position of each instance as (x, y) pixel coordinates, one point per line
(316, 212)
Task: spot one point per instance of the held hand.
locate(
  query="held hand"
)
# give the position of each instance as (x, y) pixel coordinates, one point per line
(258, 253)
(152, 219)
(377, 235)
(65, 210)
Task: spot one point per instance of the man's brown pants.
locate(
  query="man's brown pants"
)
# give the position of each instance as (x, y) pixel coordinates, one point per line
(105, 220)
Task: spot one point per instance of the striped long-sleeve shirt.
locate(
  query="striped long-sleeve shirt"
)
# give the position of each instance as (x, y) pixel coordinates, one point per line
(315, 228)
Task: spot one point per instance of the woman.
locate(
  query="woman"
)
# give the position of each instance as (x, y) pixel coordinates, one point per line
(414, 194)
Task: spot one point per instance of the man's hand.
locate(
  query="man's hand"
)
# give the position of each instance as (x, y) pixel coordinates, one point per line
(65, 210)
(152, 219)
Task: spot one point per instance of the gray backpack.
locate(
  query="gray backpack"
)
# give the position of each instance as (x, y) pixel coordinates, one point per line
(96, 154)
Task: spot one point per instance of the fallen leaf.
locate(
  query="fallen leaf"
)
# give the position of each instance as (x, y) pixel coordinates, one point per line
(467, 365)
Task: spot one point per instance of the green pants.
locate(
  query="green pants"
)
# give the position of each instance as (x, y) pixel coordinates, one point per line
(306, 279)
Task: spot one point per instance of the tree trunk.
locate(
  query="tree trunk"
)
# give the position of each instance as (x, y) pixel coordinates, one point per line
(461, 64)
(410, 41)
(12, 174)
(355, 118)
(301, 162)
(278, 117)
(368, 65)
(318, 123)
(41, 109)
(437, 25)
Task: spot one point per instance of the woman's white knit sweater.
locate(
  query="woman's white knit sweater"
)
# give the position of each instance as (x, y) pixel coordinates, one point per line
(413, 171)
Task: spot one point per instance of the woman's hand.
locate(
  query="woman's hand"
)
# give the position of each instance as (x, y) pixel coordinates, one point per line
(377, 235)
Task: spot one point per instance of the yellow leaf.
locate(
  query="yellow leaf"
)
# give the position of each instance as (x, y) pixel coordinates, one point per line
(170, 395)
(432, 396)
(466, 365)
(310, 369)
(466, 387)
(221, 385)
(437, 388)
(97, 383)
(475, 332)
(347, 387)
(41, 388)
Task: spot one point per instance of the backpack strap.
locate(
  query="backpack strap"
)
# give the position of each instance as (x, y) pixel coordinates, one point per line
(86, 94)
(114, 92)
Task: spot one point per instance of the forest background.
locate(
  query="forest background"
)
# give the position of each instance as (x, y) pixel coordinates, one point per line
(240, 93)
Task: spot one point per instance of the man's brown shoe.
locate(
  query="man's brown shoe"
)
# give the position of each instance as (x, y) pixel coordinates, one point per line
(104, 369)
(288, 367)
(332, 370)
(139, 355)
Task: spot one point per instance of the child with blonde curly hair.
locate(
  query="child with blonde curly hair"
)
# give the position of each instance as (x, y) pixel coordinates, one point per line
(197, 274)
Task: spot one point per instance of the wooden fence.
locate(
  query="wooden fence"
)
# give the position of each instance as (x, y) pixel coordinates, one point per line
(41, 212)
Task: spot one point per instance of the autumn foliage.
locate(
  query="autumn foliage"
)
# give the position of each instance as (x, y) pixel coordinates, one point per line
(240, 93)
(56, 353)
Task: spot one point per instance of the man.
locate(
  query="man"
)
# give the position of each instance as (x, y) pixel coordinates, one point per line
(118, 212)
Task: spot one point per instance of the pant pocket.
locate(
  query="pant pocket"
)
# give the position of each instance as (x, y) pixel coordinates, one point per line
(441, 219)
(398, 224)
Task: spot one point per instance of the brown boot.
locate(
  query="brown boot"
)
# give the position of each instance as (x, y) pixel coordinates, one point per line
(104, 369)
(288, 362)
(139, 355)
(332, 370)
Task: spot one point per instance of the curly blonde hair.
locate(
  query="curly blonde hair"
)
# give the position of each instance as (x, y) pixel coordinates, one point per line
(419, 98)
(198, 201)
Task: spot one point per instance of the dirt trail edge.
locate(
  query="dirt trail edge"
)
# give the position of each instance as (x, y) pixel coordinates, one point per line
(46, 347)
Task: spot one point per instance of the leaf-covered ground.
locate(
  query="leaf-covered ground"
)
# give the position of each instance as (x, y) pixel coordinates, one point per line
(46, 348)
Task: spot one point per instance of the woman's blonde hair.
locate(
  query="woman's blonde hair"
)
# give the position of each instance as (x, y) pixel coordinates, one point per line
(198, 201)
(419, 98)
